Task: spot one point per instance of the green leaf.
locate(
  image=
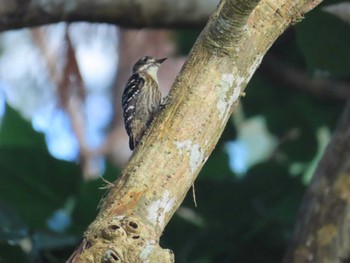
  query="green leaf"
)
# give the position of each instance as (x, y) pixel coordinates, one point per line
(255, 213)
(16, 131)
(292, 116)
(35, 183)
(185, 39)
(12, 253)
(325, 40)
(216, 167)
(11, 225)
(31, 181)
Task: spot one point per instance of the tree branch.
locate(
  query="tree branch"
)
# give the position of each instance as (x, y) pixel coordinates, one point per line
(136, 13)
(323, 227)
(171, 154)
(325, 87)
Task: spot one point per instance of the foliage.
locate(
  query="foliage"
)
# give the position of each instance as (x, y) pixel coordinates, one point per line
(36, 193)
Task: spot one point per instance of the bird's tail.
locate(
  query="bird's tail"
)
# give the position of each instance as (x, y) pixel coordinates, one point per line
(132, 143)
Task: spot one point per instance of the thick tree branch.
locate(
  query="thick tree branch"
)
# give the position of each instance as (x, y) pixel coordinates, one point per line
(136, 13)
(170, 156)
(323, 227)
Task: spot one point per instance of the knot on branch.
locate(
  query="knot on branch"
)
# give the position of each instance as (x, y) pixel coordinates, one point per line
(131, 227)
(122, 239)
(125, 230)
(111, 256)
(113, 231)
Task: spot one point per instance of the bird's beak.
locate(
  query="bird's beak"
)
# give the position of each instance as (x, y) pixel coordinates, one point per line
(160, 61)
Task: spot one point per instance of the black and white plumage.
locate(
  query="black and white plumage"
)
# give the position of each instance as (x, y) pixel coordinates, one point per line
(141, 98)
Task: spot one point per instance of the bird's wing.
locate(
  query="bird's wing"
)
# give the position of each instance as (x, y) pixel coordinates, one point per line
(129, 100)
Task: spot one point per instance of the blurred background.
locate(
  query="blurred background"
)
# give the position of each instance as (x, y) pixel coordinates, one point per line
(62, 130)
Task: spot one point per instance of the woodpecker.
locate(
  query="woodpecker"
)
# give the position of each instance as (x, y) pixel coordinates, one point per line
(141, 98)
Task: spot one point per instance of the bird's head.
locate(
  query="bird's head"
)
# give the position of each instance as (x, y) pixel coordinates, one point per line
(147, 64)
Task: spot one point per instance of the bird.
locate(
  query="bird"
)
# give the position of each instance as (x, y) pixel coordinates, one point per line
(141, 98)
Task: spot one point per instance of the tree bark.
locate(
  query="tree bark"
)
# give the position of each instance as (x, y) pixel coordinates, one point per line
(323, 227)
(164, 166)
(136, 13)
